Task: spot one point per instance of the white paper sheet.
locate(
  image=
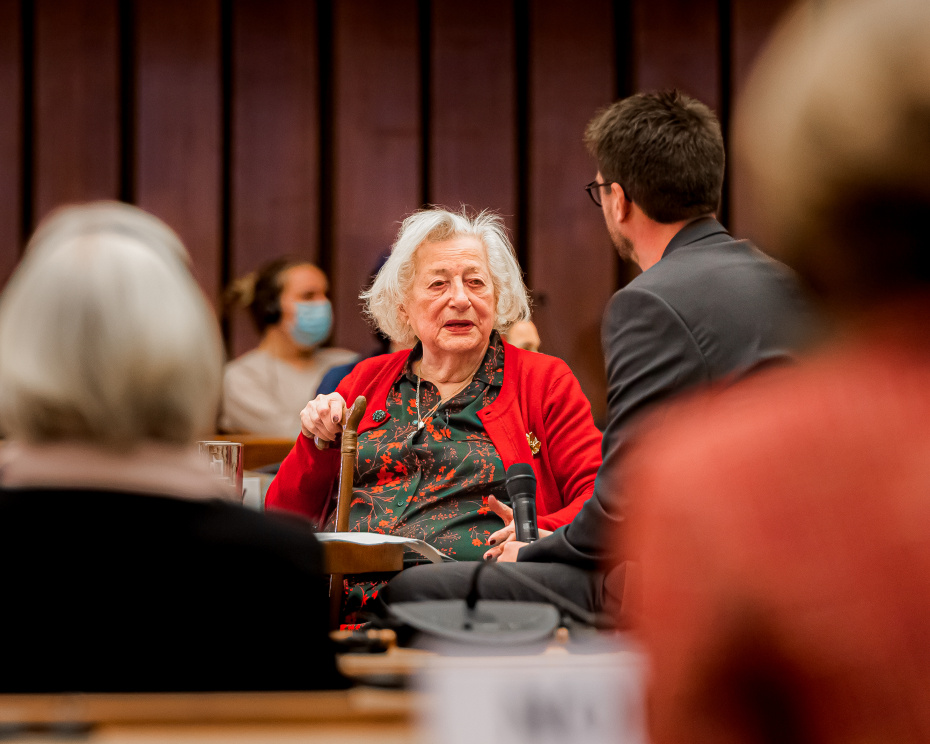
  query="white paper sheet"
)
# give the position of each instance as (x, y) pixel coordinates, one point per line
(376, 538)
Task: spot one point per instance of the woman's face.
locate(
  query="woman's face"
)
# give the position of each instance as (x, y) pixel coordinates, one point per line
(303, 283)
(451, 305)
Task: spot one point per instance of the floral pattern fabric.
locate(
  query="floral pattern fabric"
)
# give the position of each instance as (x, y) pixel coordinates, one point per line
(430, 483)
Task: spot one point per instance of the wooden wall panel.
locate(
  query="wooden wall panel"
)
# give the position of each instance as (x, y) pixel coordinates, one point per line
(178, 113)
(473, 103)
(76, 102)
(276, 140)
(677, 46)
(751, 25)
(216, 116)
(571, 260)
(10, 137)
(377, 146)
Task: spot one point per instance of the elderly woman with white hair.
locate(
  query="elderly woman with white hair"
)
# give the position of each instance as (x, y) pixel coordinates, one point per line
(125, 565)
(446, 419)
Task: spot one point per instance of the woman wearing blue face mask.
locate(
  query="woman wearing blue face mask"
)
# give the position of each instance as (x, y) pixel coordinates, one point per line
(265, 388)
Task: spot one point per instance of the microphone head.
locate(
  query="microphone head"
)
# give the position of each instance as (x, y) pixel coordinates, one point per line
(521, 469)
(521, 488)
(520, 481)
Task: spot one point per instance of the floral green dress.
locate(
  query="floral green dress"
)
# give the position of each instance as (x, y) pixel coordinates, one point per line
(431, 483)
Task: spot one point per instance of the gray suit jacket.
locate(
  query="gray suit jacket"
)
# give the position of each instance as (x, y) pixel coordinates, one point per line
(712, 308)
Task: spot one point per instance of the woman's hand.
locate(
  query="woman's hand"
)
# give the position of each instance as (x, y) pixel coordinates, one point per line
(506, 552)
(503, 541)
(322, 417)
(505, 513)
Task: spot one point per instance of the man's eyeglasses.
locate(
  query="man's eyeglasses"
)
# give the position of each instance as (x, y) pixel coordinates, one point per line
(594, 190)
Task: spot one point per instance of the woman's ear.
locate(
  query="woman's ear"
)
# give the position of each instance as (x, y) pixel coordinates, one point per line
(409, 334)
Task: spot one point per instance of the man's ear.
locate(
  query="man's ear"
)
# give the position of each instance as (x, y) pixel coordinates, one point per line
(620, 203)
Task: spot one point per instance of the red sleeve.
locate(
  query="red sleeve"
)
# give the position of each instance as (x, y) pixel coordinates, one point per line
(305, 480)
(572, 449)
(564, 515)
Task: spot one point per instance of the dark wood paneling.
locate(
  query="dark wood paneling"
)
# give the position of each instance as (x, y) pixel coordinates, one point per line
(275, 128)
(571, 260)
(377, 146)
(676, 46)
(752, 23)
(473, 97)
(178, 166)
(76, 102)
(243, 178)
(10, 137)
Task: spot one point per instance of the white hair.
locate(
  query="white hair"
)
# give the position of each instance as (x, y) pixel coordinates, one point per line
(105, 337)
(392, 285)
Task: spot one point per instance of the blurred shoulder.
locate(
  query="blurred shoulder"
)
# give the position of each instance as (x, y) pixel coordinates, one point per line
(251, 365)
(289, 536)
(722, 438)
(334, 356)
(248, 360)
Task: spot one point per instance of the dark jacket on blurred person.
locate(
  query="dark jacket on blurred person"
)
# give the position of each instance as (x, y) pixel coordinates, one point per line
(125, 566)
(125, 588)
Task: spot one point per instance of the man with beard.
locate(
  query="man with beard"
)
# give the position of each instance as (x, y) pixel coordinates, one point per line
(706, 307)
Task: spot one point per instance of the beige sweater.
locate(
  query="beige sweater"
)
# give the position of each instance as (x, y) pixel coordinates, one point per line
(265, 395)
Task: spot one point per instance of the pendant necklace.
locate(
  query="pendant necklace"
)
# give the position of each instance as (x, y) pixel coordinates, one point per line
(421, 420)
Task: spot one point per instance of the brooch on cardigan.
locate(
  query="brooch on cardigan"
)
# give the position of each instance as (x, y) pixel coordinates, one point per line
(378, 416)
(533, 442)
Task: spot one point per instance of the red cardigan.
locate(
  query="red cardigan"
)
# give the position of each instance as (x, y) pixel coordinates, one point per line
(540, 395)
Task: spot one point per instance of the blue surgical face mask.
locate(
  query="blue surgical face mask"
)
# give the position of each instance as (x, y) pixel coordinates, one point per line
(313, 322)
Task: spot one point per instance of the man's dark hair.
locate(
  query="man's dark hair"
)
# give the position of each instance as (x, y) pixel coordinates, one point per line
(666, 151)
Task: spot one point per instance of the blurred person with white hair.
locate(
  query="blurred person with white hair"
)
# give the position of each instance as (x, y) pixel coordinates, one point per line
(446, 419)
(783, 527)
(125, 565)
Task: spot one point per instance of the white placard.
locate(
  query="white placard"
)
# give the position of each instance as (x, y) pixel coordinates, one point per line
(550, 698)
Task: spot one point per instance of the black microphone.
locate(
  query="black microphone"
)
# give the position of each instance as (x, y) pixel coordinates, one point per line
(521, 487)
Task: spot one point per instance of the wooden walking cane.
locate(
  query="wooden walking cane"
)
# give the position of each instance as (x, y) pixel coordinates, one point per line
(341, 558)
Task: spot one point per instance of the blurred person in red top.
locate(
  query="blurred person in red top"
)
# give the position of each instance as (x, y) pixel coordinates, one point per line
(783, 526)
